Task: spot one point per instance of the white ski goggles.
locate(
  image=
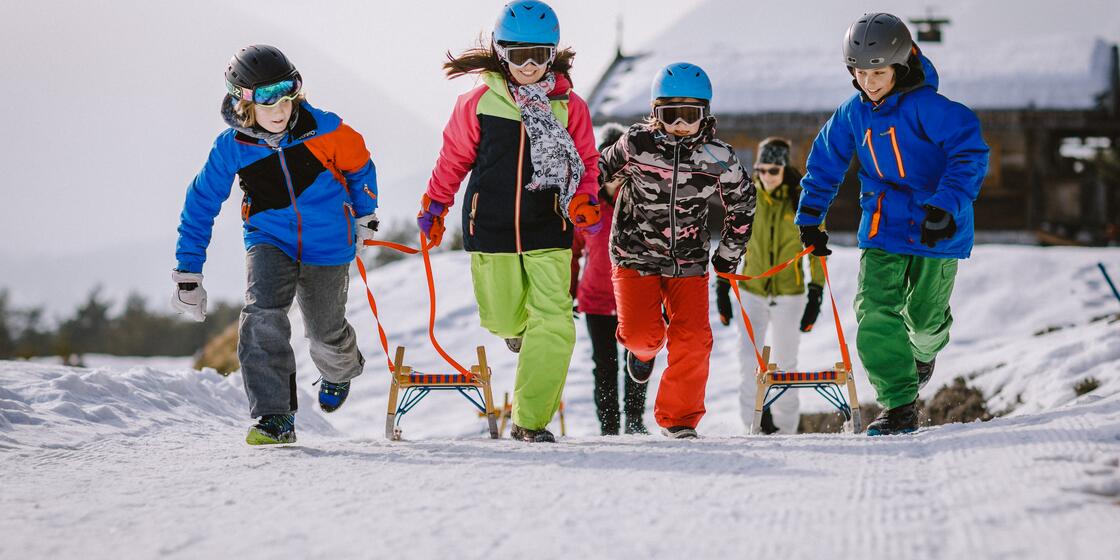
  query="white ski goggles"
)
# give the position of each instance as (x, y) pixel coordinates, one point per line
(687, 113)
(518, 57)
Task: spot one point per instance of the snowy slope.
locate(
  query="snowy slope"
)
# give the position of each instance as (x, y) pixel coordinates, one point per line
(126, 460)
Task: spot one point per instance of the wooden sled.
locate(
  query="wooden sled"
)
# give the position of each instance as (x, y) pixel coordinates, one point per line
(416, 385)
(826, 383)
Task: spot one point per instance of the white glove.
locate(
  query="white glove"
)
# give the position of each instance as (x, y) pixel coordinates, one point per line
(190, 297)
(366, 226)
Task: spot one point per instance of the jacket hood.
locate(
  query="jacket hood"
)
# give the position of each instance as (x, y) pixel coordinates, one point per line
(921, 74)
(271, 138)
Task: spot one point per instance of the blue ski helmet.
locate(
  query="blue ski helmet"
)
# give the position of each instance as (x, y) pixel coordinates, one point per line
(681, 79)
(527, 21)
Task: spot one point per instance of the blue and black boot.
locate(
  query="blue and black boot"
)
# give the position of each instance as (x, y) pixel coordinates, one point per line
(273, 429)
(898, 420)
(332, 395)
(638, 370)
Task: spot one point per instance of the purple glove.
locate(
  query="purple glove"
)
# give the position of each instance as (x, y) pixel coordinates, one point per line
(430, 219)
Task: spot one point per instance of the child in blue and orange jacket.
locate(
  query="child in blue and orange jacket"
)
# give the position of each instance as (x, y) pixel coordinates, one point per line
(922, 161)
(309, 191)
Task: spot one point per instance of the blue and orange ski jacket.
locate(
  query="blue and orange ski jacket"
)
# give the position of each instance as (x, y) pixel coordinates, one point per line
(915, 147)
(301, 196)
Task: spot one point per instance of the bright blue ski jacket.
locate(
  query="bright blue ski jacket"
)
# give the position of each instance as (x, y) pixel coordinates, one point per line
(915, 147)
(301, 196)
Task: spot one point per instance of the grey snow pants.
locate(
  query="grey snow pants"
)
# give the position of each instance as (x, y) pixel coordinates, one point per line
(264, 348)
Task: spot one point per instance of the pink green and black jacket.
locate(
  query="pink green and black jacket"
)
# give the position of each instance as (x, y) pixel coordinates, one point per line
(485, 137)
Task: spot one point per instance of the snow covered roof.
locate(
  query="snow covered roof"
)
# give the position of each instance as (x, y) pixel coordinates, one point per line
(757, 67)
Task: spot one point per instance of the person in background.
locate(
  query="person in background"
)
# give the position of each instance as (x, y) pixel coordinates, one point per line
(594, 293)
(779, 304)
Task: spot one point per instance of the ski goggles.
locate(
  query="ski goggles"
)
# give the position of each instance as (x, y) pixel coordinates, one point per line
(269, 95)
(767, 170)
(689, 114)
(518, 57)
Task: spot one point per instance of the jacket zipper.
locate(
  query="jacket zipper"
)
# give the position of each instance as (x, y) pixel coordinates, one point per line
(871, 147)
(897, 153)
(517, 200)
(348, 214)
(673, 212)
(295, 208)
(474, 210)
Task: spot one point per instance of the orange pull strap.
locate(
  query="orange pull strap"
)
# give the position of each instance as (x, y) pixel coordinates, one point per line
(735, 278)
(424, 249)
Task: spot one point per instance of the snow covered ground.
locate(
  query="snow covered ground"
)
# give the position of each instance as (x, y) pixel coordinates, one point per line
(140, 459)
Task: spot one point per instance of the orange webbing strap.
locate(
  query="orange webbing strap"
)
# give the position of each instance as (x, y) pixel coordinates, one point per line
(836, 318)
(735, 278)
(424, 248)
(431, 298)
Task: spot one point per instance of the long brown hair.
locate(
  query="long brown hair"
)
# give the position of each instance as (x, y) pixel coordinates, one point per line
(484, 58)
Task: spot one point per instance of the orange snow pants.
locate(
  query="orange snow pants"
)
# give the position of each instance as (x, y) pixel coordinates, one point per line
(642, 330)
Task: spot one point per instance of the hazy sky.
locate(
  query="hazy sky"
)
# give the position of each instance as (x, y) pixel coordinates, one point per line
(110, 107)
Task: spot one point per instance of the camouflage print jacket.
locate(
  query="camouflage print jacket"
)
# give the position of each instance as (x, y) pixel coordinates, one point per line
(660, 173)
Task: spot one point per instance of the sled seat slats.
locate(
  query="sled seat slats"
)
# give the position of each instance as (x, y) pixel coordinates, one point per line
(803, 376)
(441, 379)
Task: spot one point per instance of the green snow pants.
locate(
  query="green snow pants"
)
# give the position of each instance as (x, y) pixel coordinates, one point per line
(902, 312)
(526, 295)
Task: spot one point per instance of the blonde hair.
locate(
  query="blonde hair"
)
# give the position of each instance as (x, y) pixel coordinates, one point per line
(245, 114)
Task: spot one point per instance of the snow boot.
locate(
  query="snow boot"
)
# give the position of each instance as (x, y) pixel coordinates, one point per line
(679, 432)
(332, 395)
(273, 429)
(635, 426)
(514, 345)
(768, 426)
(638, 370)
(925, 371)
(532, 436)
(898, 420)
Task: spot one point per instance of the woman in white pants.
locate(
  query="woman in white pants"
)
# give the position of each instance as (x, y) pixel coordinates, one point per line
(780, 307)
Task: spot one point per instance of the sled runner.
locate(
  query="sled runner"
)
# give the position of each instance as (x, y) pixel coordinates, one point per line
(407, 386)
(828, 384)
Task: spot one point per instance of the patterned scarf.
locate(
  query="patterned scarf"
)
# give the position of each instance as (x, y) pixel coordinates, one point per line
(556, 163)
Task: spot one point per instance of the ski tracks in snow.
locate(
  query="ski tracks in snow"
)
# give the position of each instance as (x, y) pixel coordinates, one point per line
(1035, 486)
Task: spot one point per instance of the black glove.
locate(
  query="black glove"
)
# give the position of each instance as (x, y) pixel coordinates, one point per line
(813, 235)
(723, 300)
(937, 226)
(724, 265)
(812, 307)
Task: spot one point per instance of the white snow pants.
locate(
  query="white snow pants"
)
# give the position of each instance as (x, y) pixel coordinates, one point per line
(782, 315)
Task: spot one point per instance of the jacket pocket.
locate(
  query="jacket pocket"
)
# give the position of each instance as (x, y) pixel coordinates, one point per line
(556, 210)
(872, 204)
(474, 211)
(348, 215)
(897, 153)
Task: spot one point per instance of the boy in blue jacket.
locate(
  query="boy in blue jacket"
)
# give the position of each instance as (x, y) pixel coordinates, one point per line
(310, 192)
(922, 161)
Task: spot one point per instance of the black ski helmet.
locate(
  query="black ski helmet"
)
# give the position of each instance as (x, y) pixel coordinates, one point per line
(877, 40)
(258, 65)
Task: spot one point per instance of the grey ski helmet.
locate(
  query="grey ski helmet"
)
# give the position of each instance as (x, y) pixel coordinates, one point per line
(877, 40)
(258, 65)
